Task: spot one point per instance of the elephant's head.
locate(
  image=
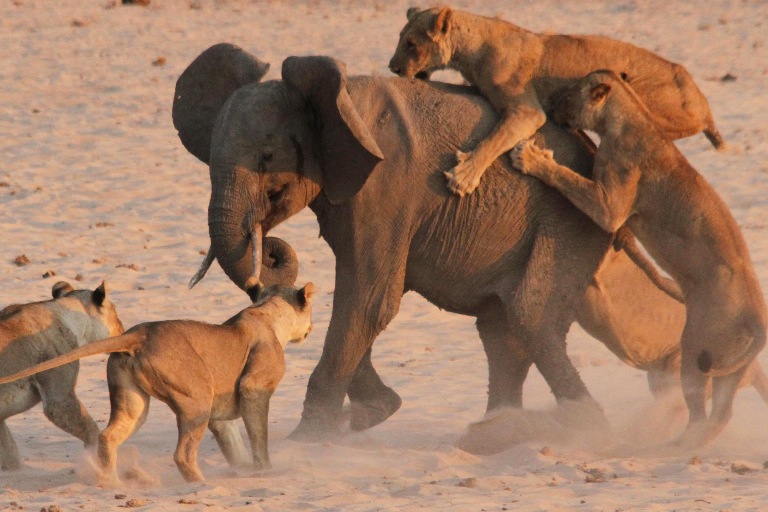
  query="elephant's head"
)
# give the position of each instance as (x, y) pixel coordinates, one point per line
(273, 147)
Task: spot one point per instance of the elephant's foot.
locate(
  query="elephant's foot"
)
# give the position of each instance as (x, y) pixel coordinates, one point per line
(312, 431)
(698, 434)
(319, 422)
(371, 411)
(11, 465)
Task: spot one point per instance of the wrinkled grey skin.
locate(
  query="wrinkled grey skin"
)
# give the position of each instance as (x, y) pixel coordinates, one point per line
(367, 155)
(196, 104)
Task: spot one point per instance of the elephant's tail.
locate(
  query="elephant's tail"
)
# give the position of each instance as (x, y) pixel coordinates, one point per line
(625, 239)
(122, 343)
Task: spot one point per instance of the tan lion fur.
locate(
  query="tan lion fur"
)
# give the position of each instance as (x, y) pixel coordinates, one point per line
(642, 180)
(642, 325)
(518, 71)
(35, 332)
(207, 374)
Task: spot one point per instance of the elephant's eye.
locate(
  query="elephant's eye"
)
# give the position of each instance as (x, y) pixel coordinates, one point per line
(276, 195)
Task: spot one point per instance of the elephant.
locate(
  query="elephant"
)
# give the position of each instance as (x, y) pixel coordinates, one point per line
(367, 155)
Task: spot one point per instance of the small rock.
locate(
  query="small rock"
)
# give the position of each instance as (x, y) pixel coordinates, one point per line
(469, 483)
(694, 461)
(742, 469)
(728, 78)
(79, 23)
(594, 476)
(546, 451)
(129, 266)
(21, 260)
(185, 501)
(49, 273)
(120, 496)
(135, 502)
(160, 61)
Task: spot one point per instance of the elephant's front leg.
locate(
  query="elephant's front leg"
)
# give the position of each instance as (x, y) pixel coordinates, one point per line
(372, 400)
(364, 302)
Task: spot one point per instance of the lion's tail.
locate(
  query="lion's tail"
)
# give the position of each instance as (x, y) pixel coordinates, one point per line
(625, 239)
(122, 343)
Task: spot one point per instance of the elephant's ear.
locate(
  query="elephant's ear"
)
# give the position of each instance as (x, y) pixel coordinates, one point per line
(348, 151)
(203, 88)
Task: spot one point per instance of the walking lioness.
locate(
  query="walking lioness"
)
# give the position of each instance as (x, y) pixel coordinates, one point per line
(207, 374)
(642, 180)
(31, 333)
(517, 71)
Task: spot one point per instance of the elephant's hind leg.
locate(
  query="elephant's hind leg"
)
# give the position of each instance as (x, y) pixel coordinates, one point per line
(9, 452)
(508, 360)
(543, 308)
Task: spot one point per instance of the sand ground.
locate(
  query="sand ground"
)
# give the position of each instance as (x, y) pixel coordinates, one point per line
(94, 182)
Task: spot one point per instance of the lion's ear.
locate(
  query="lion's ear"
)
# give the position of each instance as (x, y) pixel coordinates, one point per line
(599, 92)
(412, 11)
(60, 289)
(442, 23)
(99, 295)
(305, 295)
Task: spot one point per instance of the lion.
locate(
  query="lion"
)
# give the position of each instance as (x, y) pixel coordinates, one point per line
(518, 71)
(207, 374)
(634, 319)
(641, 180)
(35, 332)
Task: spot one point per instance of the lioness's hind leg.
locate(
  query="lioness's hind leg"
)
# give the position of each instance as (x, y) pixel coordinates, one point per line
(15, 400)
(759, 380)
(129, 408)
(723, 391)
(9, 452)
(63, 408)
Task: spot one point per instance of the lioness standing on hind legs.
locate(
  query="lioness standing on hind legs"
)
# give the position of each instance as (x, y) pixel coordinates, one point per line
(517, 71)
(641, 180)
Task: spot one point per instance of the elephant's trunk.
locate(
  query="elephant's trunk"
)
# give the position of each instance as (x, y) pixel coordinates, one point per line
(243, 253)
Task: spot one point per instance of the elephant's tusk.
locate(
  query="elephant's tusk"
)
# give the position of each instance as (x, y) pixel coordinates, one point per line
(204, 266)
(256, 247)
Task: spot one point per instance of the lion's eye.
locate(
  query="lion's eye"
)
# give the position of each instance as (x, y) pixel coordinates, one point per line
(410, 45)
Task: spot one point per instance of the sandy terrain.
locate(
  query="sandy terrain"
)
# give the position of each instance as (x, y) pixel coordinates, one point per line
(94, 182)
